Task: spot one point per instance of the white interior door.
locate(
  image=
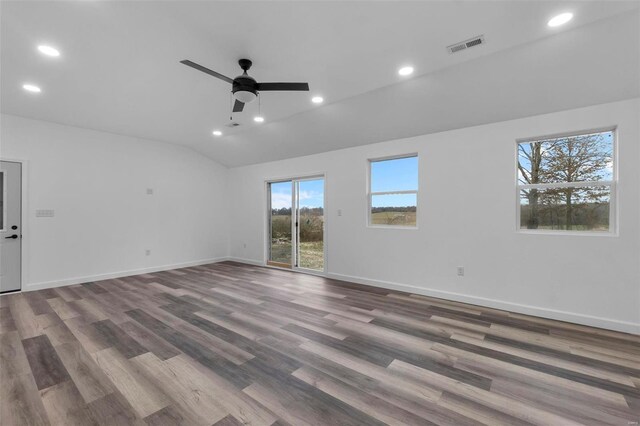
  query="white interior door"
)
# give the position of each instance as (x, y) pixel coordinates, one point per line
(10, 225)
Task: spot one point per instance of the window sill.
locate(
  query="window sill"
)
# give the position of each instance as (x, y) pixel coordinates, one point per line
(569, 233)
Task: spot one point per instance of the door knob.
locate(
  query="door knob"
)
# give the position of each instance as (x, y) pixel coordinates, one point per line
(12, 237)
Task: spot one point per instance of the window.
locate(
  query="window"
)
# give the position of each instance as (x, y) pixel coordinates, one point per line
(393, 191)
(567, 183)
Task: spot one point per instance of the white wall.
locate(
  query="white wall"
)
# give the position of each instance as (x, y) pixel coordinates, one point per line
(466, 216)
(104, 220)
(96, 182)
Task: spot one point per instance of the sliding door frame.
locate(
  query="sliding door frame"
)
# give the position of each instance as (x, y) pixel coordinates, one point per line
(294, 218)
(268, 261)
(296, 246)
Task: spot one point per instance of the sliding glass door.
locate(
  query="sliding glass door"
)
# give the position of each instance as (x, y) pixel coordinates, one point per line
(310, 219)
(280, 224)
(296, 224)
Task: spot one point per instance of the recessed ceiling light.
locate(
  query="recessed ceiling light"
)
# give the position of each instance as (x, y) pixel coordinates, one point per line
(317, 99)
(258, 119)
(217, 133)
(48, 50)
(31, 88)
(561, 19)
(405, 71)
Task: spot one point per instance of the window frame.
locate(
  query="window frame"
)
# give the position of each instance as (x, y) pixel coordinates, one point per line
(370, 193)
(612, 184)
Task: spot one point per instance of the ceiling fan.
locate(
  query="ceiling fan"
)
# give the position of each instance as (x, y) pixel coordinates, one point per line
(245, 88)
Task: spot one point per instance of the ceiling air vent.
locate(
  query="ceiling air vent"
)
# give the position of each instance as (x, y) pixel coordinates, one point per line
(475, 41)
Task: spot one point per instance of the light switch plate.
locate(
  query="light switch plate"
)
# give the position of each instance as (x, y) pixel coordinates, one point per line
(45, 213)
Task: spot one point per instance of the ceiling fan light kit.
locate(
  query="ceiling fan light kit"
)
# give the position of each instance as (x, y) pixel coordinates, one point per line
(245, 88)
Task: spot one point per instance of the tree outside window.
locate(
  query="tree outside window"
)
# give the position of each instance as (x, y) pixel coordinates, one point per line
(566, 183)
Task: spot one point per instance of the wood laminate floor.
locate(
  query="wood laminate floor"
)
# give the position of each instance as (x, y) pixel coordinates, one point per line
(230, 344)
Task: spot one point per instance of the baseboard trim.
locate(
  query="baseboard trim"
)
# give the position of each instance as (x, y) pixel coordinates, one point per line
(79, 280)
(589, 320)
(247, 261)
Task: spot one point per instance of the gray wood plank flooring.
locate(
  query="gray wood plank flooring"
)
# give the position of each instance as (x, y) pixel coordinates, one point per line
(232, 344)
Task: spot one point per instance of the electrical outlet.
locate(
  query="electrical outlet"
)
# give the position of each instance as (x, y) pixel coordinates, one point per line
(149, 191)
(147, 252)
(460, 270)
(339, 212)
(244, 245)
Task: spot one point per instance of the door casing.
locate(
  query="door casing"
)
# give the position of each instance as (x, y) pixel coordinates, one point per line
(24, 259)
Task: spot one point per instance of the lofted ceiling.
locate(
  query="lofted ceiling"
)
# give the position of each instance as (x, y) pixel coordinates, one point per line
(119, 67)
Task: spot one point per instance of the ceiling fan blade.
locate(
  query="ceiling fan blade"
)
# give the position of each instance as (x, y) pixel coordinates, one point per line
(238, 106)
(206, 70)
(283, 86)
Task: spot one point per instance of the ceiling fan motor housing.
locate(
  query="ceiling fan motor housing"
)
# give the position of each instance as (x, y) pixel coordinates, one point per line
(244, 88)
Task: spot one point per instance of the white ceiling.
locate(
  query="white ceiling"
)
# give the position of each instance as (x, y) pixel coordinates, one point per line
(119, 70)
